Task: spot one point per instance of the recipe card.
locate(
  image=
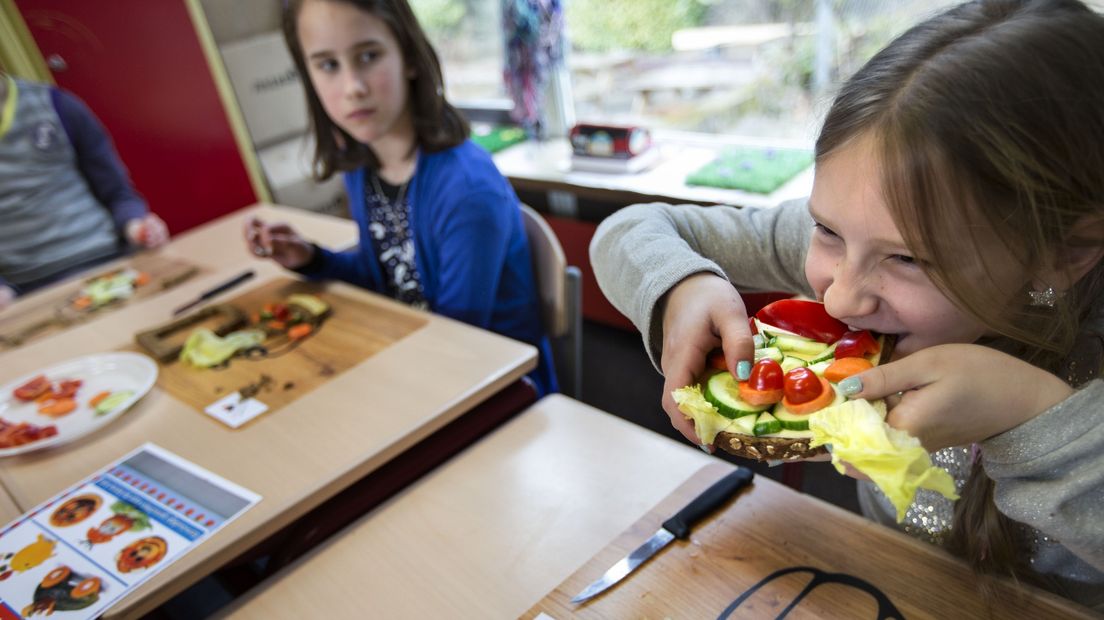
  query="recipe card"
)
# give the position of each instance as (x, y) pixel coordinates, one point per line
(81, 551)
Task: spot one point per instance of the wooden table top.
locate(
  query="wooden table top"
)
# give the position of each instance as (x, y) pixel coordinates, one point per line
(491, 531)
(771, 529)
(296, 457)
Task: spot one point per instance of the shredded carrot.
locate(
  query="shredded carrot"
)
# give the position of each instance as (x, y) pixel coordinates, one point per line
(753, 396)
(57, 408)
(827, 395)
(845, 367)
(141, 279)
(98, 398)
(300, 331)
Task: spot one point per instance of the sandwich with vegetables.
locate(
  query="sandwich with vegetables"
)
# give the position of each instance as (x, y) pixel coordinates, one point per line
(801, 355)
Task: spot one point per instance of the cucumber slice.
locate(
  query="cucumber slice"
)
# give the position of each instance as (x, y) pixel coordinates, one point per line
(743, 425)
(801, 347)
(829, 355)
(766, 424)
(723, 393)
(111, 402)
(819, 367)
(772, 352)
(759, 341)
(790, 420)
(789, 363)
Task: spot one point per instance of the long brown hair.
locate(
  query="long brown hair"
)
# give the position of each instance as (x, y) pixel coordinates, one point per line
(990, 123)
(437, 124)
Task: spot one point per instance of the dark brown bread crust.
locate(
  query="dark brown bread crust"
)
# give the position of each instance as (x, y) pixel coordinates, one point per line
(768, 448)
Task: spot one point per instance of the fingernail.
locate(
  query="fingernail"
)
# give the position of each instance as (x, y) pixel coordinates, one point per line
(851, 385)
(743, 370)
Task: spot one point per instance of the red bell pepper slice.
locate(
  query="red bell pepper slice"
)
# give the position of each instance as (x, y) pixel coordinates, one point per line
(857, 344)
(804, 318)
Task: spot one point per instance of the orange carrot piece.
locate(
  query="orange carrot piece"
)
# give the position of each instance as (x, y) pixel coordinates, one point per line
(753, 396)
(300, 331)
(141, 279)
(845, 367)
(827, 395)
(98, 398)
(57, 408)
(82, 302)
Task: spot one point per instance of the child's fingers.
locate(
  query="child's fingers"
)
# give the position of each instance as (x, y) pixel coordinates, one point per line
(680, 367)
(737, 343)
(885, 380)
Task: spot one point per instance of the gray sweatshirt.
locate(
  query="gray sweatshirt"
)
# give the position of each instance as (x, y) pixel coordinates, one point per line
(1049, 471)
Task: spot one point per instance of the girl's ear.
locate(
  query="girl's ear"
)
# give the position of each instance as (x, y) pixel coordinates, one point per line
(1083, 251)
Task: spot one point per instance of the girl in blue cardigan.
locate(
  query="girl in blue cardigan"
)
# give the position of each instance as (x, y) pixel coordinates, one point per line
(440, 227)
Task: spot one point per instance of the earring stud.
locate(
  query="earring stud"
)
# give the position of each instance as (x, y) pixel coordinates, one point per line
(1046, 298)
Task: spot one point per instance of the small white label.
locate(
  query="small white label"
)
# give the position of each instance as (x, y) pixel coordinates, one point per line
(232, 411)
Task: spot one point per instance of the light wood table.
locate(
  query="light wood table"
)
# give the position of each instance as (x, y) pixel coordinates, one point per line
(491, 531)
(296, 457)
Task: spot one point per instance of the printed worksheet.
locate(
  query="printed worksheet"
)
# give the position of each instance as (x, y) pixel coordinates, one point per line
(76, 554)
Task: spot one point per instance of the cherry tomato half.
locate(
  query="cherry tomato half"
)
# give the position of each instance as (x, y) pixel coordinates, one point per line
(716, 360)
(804, 318)
(33, 388)
(857, 344)
(766, 374)
(801, 385)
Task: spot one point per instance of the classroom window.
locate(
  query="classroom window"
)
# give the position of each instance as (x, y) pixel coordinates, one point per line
(763, 68)
(467, 35)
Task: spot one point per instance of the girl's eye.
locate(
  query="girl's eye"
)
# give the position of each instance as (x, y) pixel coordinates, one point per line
(326, 66)
(824, 230)
(367, 57)
(901, 258)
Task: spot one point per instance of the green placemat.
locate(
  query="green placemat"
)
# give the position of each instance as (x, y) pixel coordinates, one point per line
(758, 170)
(498, 137)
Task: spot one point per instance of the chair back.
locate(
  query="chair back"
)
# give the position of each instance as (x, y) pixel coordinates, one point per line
(560, 288)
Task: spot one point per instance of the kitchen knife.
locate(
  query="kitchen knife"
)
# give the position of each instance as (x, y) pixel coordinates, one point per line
(677, 526)
(221, 288)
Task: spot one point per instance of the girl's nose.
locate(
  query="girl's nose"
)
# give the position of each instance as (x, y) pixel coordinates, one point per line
(354, 85)
(848, 297)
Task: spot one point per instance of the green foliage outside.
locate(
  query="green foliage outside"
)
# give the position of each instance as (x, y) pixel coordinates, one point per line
(639, 25)
(439, 17)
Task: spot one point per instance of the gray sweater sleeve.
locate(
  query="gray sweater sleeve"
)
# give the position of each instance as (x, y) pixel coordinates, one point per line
(640, 252)
(1049, 472)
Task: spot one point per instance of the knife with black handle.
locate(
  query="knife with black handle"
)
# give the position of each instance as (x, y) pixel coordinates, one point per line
(677, 526)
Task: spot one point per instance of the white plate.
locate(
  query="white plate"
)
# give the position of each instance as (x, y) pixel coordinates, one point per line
(101, 372)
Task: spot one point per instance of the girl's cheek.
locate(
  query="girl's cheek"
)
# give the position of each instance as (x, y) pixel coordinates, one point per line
(818, 272)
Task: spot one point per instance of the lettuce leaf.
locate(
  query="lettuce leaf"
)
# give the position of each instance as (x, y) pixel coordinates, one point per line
(708, 422)
(891, 458)
(204, 348)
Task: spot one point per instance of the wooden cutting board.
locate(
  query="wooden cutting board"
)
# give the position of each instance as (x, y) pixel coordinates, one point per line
(52, 311)
(355, 330)
(770, 528)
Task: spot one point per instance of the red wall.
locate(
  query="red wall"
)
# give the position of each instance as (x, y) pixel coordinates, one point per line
(139, 66)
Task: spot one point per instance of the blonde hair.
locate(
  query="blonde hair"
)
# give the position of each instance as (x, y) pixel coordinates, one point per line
(990, 122)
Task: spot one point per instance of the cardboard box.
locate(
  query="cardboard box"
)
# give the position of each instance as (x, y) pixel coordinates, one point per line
(287, 165)
(267, 86)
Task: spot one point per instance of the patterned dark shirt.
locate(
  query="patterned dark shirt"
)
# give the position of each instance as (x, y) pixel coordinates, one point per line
(393, 241)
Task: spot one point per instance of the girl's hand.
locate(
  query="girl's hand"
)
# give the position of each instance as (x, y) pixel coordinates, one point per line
(958, 394)
(148, 231)
(702, 312)
(278, 241)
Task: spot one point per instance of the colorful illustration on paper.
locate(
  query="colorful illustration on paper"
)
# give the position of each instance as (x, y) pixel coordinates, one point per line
(75, 510)
(141, 554)
(80, 552)
(64, 589)
(28, 557)
(125, 518)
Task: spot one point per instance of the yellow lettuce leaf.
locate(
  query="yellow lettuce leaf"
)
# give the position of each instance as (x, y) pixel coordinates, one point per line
(893, 459)
(707, 420)
(204, 348)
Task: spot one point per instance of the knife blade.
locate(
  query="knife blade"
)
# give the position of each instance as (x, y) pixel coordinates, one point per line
(677, 526)
(211, 292)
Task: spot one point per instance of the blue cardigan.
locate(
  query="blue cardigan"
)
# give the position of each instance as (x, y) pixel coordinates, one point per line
(470, 247)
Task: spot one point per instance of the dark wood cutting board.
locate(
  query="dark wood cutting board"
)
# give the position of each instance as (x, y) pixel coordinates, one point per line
(355, 330)
(770, 528)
